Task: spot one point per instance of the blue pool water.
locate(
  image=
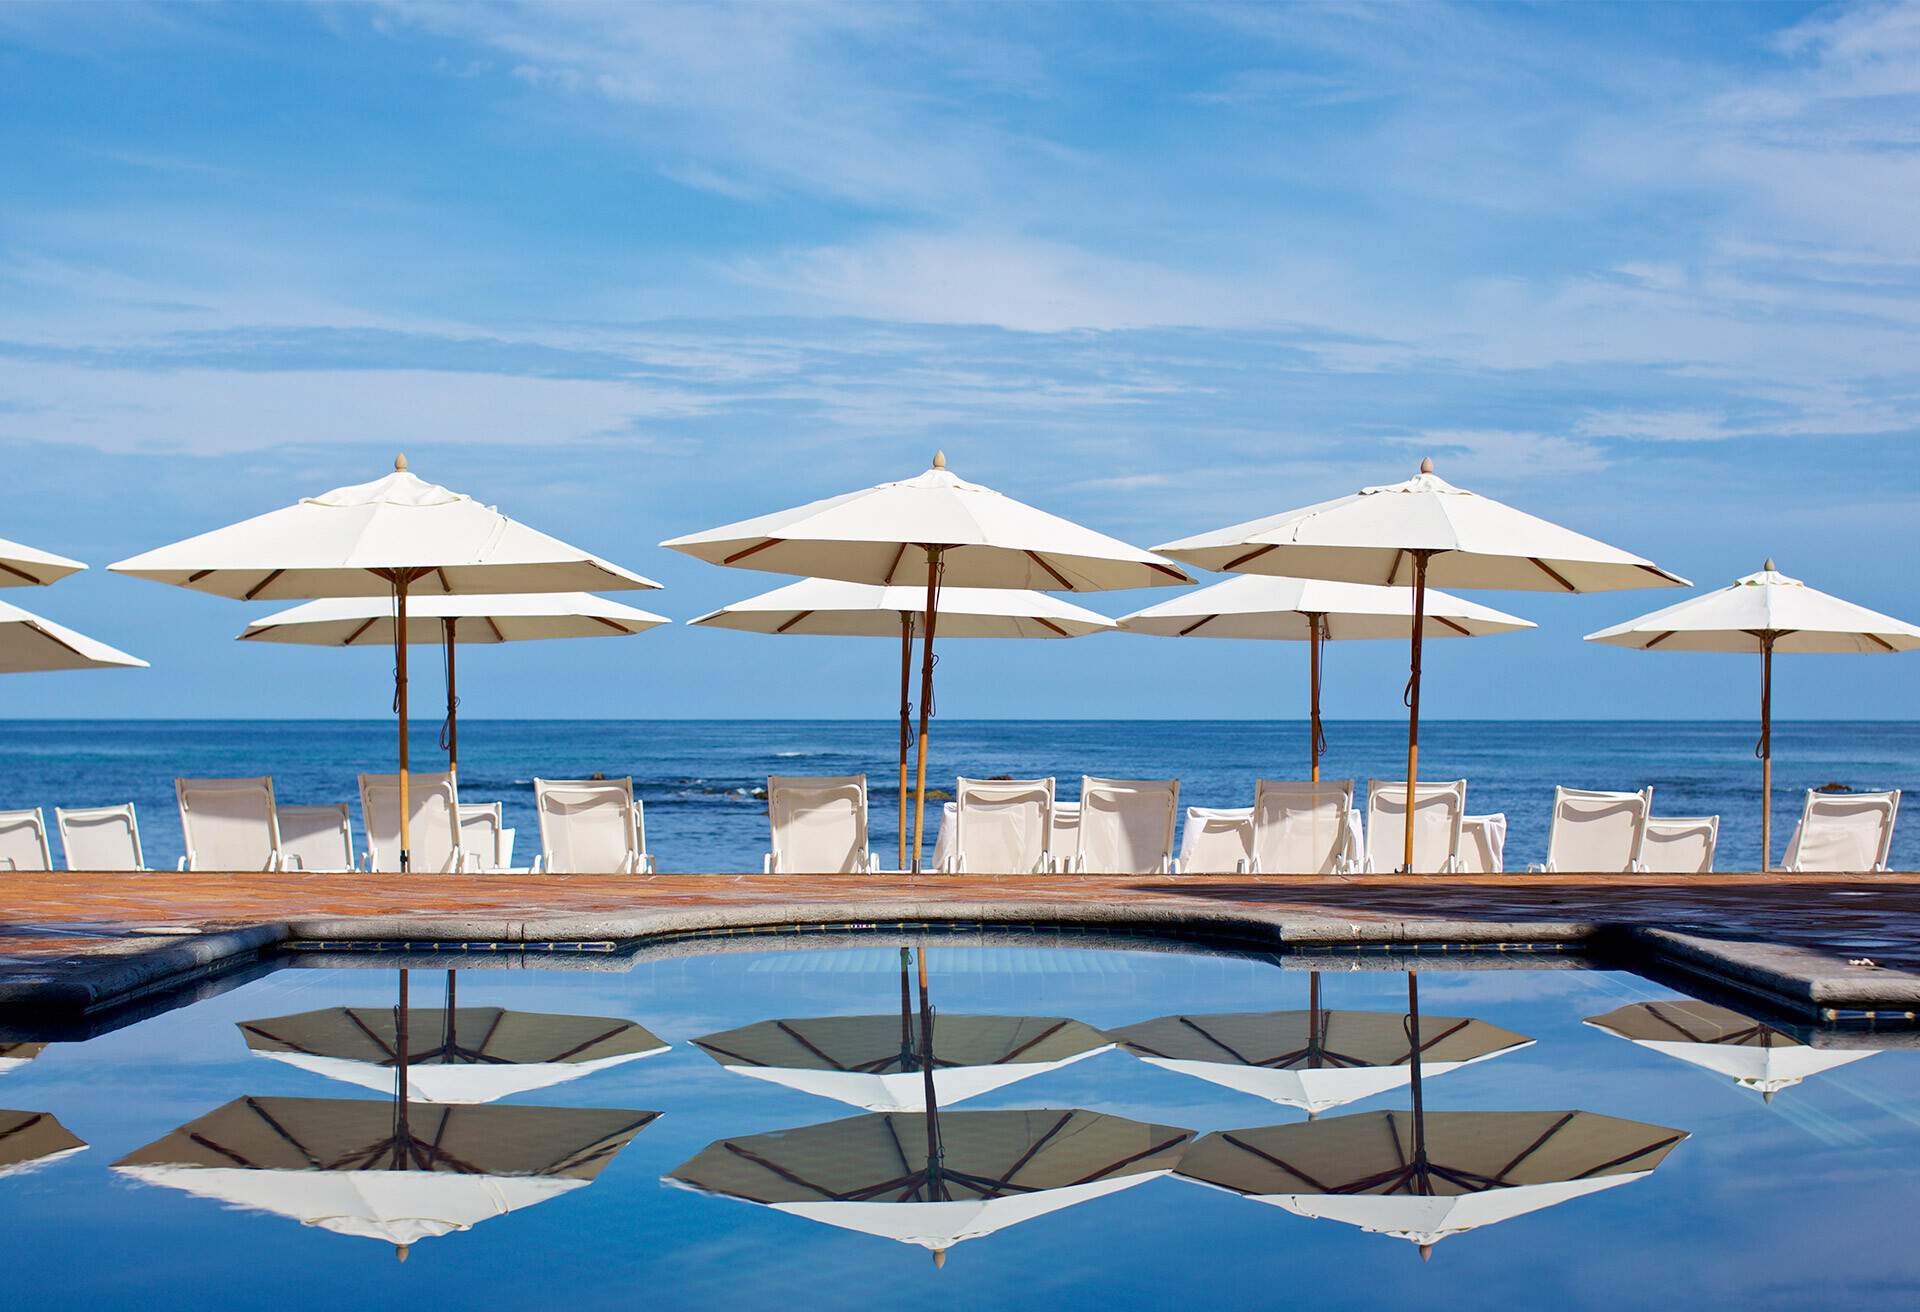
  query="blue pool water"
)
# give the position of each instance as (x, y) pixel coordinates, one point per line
(1805, 1200)
(696, 778)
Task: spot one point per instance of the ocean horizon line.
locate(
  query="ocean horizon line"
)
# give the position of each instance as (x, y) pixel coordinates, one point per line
(430, 720)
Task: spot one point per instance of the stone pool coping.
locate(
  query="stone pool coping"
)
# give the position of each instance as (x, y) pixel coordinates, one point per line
(78, 944)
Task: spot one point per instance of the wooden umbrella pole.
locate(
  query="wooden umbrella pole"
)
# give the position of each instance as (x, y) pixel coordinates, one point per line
(906, 722)
(926, 702)
(936, 1191)
(453, 701)
(1413, 1065)
(1313, 663)
(1413, 697)
(400, 580)
(1766, 752)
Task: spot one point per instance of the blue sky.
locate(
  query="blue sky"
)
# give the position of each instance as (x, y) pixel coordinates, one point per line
(630, 271)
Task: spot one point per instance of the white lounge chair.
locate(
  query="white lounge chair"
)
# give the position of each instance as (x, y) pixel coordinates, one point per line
(590, 827)
(317, 838)
(1439, 810)
(943, 838)
(23, 841)
(1680, 845)
(819, 826)
(433, 799)
(1122, 826)
(100, 837)
(1304, 828)
(1066, 832)
(1216, 840)
(228, 824)
(485, 837)
(1843, 832)
(1596, 832)
(1483, 844)
(1002, 827)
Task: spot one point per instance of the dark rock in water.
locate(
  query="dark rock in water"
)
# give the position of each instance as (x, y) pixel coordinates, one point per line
(1833, 788)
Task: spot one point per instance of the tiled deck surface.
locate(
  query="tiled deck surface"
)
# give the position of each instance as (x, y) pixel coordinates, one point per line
(49, 918)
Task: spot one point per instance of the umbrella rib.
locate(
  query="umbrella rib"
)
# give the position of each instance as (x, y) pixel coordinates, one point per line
(1203, 620)
(1177, 575)
(1129, 1160)
(1535, 1146)
(375, 1039)
(1658, 640)
(1058, 577)
(1624, 1158)
(492, 1029)
(1457, 628)
(1394, 569)
(801, 1039)
(1443, 1035)
(1032, 1149)
(602, 619)
(250, 1028)
(1255, 554)
(1221, 1044)
(356, 634)
(254, 1105)
(789, 1176)
(33, 1119)
(196, 576)
(711, 1047)
(1552, 573)
(1059, 632)
(226, 1152)
(579, 1048)
(262, 585)
(1878, 641)
(1653, 1010)
(899, 554)
(798, 616)
(19, 573)
(738, 556)
(1041, 1037)
(607, 1144)
(1271, 1160)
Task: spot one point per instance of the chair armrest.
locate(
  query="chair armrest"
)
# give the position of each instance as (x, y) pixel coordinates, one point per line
(539, 865)
(1539, 867)
(647, 865)
(179, 865)
(768, 864)
(1244, 866)
(292, 863)
(873, 863)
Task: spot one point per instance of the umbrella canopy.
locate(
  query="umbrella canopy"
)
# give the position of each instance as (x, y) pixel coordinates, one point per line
(941, 530)
(1313, 1060)
(1427, 1179)
(30, 644)
(874, 1062)
(463, 1055)
(1762, 614)
(1267, 607)
(395, 536)
(23, 566)
(1753, 1055)
(1420, 532)
(991, 1170)
(835, 608)
(393, 1171)
(15, 1055)
(452, 622)
(31, 1140)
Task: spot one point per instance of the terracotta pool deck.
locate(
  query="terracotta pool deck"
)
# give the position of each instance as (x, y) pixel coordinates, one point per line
(83, 942)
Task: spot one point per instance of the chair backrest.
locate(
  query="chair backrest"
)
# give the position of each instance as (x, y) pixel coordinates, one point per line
(482, 825)
(1596, 831)
(1483, 844)
(1122, 826)
(1003, 826)
(317, 837)
(229, 824)
(1066, 825)
(1680, 845)
(100, 837)
(1301, 828)
(433, 801)
(23, 841)
(1438, 810)
(942, 838)
(1216, 840)
(589, 826)
(819, 824)
(1844, 832)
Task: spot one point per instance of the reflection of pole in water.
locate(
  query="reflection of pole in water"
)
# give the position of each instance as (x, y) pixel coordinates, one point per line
(1422, 1184)
(936, 1191)
(906, 1013)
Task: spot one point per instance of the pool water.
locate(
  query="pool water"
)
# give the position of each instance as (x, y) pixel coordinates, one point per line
(603, 1158)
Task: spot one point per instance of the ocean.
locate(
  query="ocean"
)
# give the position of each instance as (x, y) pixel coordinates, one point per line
(697, 778)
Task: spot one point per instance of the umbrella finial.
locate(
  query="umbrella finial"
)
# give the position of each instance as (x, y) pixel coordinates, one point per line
(939, 1258)
(1426, 465)
(400, 1253)
(1426, 1252)
(1768, 567)
(400, 463)
(1766, 1096)
(939, 459)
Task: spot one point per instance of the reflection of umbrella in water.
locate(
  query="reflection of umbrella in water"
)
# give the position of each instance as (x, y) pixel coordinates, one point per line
(455, 1054)
(385, 1170)
(1423, 1176)
(1314, 1059)
(1755, 1056)
(15, 1055)
(932, 1178)
(30, 1140)
(875, 1061)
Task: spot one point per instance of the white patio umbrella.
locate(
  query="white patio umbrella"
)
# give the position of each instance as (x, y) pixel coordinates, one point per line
(1754, 1056)
(941, 529)
(1424, 1176)
(1422, 531)
(877, 1062)
(936, 1180)
(1763, 613)
(1314, 611)
(380, 1169)
(454, 1054)
(23, 566)
(453, 622)
(1316, 1059)
(837, 609)
(15, 1055)
(31, 1140)
(31, 644)
(397, 537)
